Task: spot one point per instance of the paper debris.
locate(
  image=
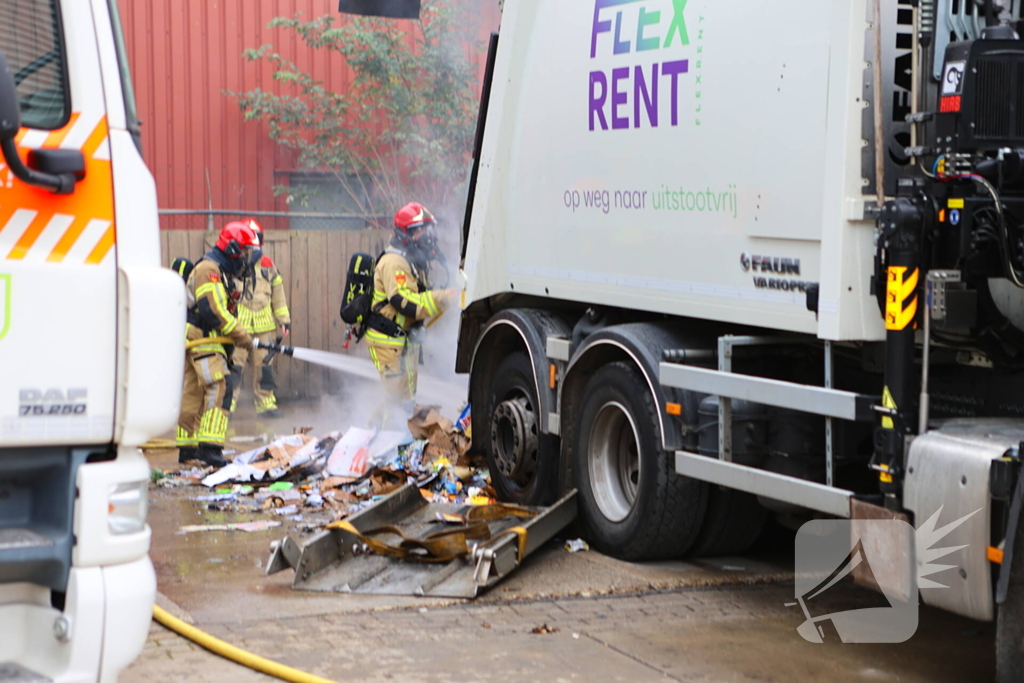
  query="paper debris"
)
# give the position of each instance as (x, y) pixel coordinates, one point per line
(576, 545)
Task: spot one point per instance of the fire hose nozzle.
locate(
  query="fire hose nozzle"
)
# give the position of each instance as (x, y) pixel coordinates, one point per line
(288, 350)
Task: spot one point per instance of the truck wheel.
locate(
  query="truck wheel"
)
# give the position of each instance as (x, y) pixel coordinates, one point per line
(733, 521)
(522, 461)
(1010, 620)
(632, 503)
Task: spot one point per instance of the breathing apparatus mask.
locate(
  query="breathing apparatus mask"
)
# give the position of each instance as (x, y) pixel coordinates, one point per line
(421, 247)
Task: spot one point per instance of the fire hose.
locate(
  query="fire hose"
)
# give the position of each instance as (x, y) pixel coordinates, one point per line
(235, 654)
(274, 348)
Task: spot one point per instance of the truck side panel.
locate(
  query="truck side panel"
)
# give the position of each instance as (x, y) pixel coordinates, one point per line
(671, 157)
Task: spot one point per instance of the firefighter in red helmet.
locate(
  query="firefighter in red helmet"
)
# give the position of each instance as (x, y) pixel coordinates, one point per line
(263, 310)
(403, 299)
(212, 292)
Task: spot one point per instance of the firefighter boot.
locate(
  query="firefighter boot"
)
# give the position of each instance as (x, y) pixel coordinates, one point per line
(212, 454)
(187, 453)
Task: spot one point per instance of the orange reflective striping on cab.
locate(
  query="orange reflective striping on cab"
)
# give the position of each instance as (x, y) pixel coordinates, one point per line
(99, 252)
(97, 137)
(68, 239)
(56, 137)
(29, 237)
(37, 225)
(6, 213)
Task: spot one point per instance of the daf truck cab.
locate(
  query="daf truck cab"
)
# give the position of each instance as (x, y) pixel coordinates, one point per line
(90, 346)
(732, 260)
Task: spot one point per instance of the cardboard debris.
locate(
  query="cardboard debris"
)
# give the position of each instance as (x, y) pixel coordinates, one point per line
(335, 482)
(425, 420)
(386, 481)
(443, 441)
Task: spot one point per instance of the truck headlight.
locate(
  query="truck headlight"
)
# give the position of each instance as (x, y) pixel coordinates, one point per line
(127, 507)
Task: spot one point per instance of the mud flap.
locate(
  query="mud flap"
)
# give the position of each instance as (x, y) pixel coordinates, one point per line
(893, 563)
(335, 561)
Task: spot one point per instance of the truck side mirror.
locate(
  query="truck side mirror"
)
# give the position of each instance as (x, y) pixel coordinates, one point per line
(61, 169)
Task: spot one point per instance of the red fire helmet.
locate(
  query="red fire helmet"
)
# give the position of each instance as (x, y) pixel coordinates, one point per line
(235, 237)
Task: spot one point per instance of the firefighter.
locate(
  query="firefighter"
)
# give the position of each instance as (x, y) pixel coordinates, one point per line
(211, 292)
(402, 300)
(263, 311)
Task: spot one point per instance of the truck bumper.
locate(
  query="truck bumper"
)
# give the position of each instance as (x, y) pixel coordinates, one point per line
(102, 629)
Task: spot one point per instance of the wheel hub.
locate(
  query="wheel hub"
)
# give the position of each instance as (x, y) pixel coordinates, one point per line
(514, 438)
(614, 461)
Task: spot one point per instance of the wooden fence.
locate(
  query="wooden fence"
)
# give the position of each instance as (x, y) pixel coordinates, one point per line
(313, 264)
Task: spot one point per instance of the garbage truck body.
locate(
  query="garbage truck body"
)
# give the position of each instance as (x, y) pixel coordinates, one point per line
(708, 280)
(90, 346)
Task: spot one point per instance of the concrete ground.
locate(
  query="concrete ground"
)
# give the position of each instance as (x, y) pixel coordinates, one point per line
(600, 619)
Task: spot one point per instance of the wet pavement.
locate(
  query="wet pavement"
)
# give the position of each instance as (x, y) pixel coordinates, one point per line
(711, 620)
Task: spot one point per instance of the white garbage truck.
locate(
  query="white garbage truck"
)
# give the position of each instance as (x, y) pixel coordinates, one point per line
(726, 260)
(90, 346)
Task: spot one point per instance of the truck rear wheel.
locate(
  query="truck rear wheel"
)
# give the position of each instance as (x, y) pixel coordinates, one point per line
(733, 522)
(522, 461)
(632, 503)
(1010, 620)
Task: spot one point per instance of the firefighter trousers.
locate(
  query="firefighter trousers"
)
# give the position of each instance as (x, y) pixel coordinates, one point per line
(205, 400)
(398, 365)
(251, 361)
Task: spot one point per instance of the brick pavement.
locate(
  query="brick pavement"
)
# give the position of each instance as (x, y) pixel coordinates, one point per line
(719, 634)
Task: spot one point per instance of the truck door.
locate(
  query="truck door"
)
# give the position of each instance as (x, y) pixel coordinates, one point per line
(58, 272)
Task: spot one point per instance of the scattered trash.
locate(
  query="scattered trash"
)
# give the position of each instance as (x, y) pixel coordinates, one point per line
(318, 480)
(259, 525)
(351, 455)
(216, 497)
(443, 441)
(545, 629)
(233, 472)
(577, 545)
(450, 518)
(576, 636)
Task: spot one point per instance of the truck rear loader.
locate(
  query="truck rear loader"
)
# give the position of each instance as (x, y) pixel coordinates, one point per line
(726, 260)
(91, 353)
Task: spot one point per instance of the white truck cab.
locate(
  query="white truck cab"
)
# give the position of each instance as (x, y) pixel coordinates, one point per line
(90, 346)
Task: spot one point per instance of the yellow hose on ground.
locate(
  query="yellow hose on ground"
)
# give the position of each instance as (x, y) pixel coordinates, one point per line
(208, 340)
(235, 654)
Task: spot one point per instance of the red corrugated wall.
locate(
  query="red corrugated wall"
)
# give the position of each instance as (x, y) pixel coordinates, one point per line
(184, 54)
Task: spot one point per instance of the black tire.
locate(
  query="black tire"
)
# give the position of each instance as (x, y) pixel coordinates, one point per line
(1010, 620)
(666, 510)
(514, 378)
(733, 522)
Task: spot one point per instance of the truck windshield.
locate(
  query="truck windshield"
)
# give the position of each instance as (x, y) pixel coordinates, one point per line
(30, 38)
(130, 111)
